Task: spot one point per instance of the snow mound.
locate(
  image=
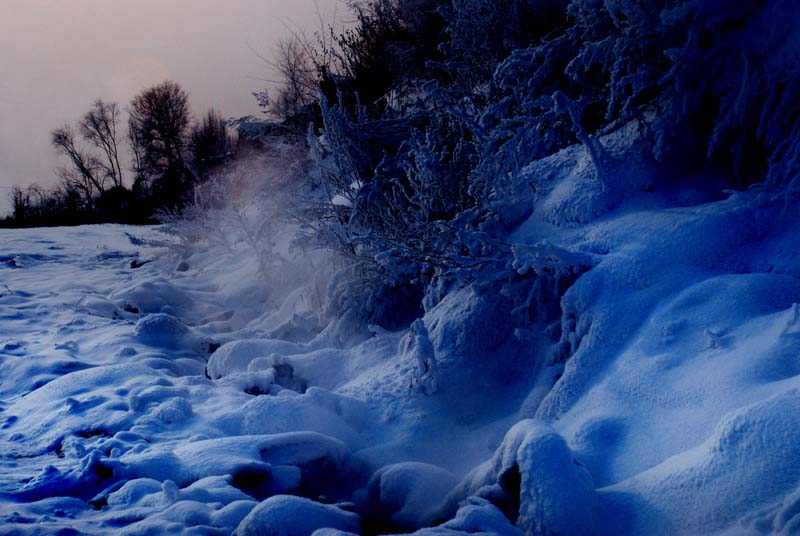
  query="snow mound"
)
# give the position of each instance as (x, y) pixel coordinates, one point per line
(319, 410)
(152, 295)
(535, 480)
(161, 330)
(468, 321)
(286, 515)
(102, 307)
(236, 356)
(405, 494)
(305, 463)
(734, 461)
(166, 331)
(574, 188)
(476, 516)
(80, 403)
(577, 197)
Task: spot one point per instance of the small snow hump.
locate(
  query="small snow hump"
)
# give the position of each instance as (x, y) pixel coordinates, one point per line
(406, 494)
(161, 330)
(417, 345)
(287, 515)
(534, 479)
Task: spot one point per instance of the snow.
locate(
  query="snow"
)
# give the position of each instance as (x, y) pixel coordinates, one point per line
(407, 493)
(189, 396)
(284, 515)
(475, 516)
(535, 476)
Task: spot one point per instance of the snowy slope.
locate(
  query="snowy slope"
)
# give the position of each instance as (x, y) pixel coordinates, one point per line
(186, 396)
(109, 421)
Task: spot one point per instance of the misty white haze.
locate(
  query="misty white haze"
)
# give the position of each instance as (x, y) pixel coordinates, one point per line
(58, 56)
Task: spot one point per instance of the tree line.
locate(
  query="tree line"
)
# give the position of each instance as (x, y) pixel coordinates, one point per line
(167, 152)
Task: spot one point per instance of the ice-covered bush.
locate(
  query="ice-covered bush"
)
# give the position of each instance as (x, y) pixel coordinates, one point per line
(424, 138)
(709, 81)
(734, 74)
(482, 33)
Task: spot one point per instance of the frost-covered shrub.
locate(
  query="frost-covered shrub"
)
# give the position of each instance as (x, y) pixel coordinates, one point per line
(393, 190)
(481, 33)
(711, 82)
(734, 77)
(603, 66)
(404, 192)
(360, 297)
(424, 220)
(416, 179)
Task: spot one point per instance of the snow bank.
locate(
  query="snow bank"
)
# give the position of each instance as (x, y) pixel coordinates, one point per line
(750, 461)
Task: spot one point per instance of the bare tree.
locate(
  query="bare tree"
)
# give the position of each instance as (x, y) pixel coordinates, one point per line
(300, 62)
(299, 75)
(20, 203)
(158, 131)
(99, 126)
(211, 142)
(85, 172)
(76, 182)
(159, 119)
(91, 170)
(138, 167)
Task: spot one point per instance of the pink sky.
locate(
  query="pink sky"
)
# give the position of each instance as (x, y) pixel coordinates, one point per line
(56, 56)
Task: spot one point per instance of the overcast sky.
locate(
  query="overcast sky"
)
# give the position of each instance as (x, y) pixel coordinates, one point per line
(57, 56)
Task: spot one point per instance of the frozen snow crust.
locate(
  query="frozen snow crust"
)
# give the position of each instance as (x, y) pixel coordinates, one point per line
(665, 398)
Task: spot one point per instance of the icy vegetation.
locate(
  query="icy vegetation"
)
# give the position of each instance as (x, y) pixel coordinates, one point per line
(556, 294)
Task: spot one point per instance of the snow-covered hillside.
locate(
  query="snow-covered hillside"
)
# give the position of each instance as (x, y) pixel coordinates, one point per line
(146, 394)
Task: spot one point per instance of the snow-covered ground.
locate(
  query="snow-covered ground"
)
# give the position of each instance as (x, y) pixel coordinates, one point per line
(145, 394)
